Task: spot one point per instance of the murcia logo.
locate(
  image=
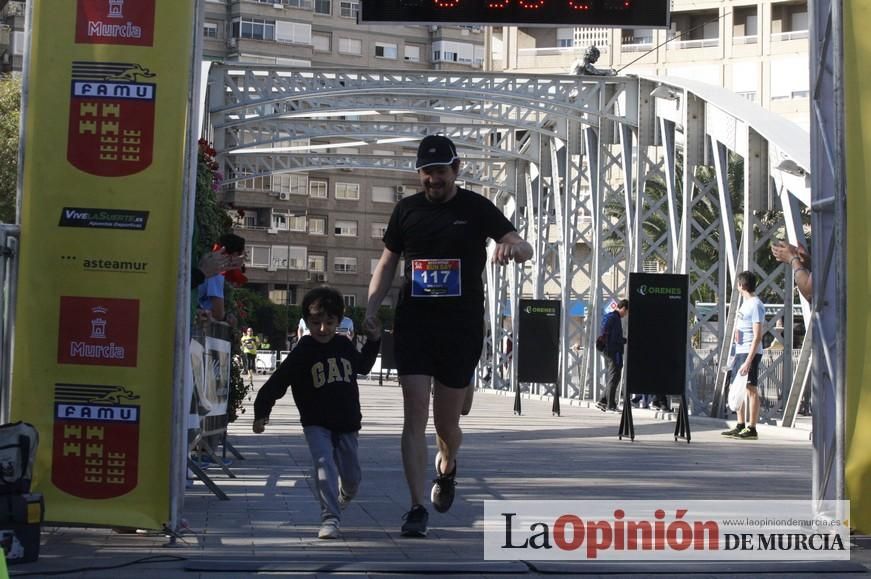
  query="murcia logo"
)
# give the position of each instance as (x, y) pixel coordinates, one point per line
(124, 22)
(98, 331)
(111, 129)
(95, 451)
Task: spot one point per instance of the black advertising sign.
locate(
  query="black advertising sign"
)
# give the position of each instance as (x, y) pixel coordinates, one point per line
(656, 359)
(538, 339)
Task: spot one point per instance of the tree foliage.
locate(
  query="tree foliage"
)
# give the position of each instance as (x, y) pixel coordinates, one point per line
(10, 113)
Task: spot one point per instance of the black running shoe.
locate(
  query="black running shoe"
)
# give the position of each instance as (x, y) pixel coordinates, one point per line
(415, 522)
(442, 495)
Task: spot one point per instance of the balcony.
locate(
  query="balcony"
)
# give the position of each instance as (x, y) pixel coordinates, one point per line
(638, 46)
(787, 36)
(750, 39)
(691, 44)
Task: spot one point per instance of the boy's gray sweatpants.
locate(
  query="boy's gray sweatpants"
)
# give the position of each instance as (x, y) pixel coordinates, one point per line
(334, 456)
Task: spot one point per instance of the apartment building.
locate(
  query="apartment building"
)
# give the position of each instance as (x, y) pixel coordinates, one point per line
(11, 36)
(756, 49)
(303, 229)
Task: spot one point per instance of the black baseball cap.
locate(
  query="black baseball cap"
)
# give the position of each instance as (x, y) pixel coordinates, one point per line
(435, 150)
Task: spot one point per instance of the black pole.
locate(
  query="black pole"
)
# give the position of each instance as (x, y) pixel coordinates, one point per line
(627, 426)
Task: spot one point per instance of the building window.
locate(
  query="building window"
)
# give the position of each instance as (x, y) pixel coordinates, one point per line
(411, 53)
(317, 225)
(290, 183)
(261, 183)
(293, 32)
(257, 256)
(317, 189)
(317, 263)
(297, 223)
(378, 230)
(373, 263)
(321, 42)
(350, 46)
(345, 265)
(345, 228)
(280, 220)
(382, 194)
(350, 300)
(284, 257)
(210, 30)
(324, 7)
(565, 37)
(349, 8)
(348, 191)
(385, 50)
(254, 28)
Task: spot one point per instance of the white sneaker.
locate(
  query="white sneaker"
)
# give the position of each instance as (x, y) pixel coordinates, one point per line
(329, 529)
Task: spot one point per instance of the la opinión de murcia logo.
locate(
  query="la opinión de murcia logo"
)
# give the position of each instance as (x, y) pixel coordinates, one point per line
(111, 126)
(98, 331)
(124, 22)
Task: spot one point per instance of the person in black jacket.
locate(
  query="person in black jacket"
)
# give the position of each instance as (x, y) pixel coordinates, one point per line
(612, 329)
(322, 374)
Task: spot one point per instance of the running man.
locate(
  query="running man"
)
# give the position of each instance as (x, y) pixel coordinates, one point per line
(442, 234)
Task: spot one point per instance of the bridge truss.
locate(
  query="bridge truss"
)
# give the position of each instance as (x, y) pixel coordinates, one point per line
(602, 175)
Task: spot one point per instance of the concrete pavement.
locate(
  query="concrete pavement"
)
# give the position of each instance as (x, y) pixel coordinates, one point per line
(271, 521)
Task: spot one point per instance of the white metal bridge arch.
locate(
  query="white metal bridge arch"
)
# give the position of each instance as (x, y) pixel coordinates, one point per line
(637, 169)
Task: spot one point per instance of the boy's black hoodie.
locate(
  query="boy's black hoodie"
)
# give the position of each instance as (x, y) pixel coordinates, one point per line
(323, 380)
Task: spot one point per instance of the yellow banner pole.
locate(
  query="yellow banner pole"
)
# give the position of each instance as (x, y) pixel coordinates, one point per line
(107, 94)
(857, 101)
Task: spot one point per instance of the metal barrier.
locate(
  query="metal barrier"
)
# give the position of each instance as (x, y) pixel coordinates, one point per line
(211, 363)
(9, 243)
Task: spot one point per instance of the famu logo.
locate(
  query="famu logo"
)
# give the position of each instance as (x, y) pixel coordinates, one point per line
(95, 218)
(647, 290)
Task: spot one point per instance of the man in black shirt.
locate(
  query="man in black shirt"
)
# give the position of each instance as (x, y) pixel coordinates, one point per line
(322, 374)
(442, 234)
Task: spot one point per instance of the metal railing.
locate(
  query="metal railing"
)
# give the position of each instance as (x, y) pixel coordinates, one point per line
(9, 244)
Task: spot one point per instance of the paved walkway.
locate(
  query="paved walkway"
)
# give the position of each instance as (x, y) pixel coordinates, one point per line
(271, 521)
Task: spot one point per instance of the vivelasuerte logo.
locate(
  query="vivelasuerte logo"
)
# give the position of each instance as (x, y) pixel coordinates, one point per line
(103, 218)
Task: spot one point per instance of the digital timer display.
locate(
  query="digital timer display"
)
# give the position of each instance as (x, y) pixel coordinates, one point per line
(615, 13)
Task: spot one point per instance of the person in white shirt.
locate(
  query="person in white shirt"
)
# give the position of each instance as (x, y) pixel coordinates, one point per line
(748, 355)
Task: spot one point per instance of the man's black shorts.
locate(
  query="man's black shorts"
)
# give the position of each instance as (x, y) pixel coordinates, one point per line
(444, 350)
(753, 374)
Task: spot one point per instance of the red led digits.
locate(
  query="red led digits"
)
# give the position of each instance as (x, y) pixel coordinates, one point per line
(579, 5)
(446, 3)
(530, 4)
(498, 3)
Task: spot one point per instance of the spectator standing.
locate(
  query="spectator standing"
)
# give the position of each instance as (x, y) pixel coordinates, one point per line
(612, 329)
(748, 355)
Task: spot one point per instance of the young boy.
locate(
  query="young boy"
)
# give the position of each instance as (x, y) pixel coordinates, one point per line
(321, 372)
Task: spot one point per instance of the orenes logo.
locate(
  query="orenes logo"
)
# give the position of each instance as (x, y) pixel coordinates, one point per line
(642, 289)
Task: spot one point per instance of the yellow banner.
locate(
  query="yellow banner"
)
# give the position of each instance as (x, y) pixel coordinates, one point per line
(104, 139)
(857, 97)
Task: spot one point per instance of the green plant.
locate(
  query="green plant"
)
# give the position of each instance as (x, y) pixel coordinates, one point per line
(10, 113)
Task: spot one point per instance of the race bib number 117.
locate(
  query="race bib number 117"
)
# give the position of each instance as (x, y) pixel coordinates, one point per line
(435, 278)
